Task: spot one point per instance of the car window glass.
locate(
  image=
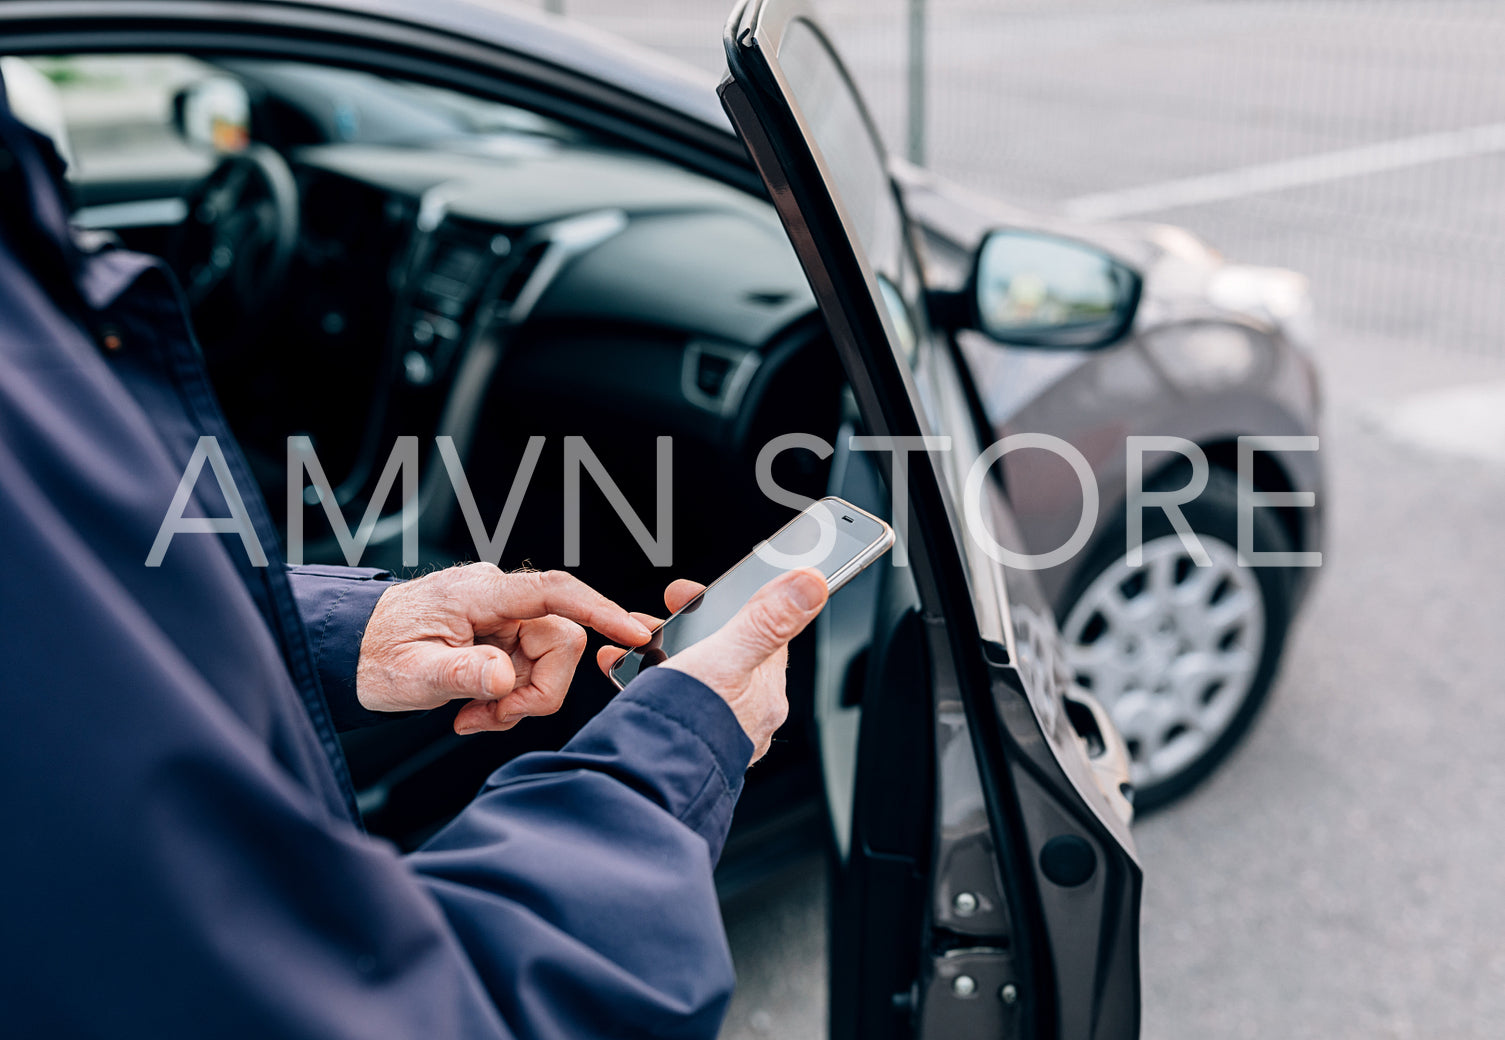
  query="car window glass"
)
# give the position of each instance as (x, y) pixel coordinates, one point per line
(111, 114)
(114, 111)
(355, 107)
(852, 155)
(483, 116)
(857, 172)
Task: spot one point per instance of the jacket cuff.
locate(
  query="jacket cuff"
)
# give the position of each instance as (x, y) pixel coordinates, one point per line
(676, 740)
(335, 604)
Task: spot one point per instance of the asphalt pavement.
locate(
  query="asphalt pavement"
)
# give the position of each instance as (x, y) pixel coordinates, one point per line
(1342, 875)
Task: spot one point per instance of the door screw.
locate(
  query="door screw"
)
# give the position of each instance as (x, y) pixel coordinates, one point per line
(964, 985)
(1009, 993)
(965, 904)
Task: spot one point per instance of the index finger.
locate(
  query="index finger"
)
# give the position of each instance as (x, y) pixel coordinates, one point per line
(532, 594)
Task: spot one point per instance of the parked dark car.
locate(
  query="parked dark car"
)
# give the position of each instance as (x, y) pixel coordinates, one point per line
(537, 252)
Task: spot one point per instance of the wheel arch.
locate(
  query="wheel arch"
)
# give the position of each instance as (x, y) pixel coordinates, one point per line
(1271, 474)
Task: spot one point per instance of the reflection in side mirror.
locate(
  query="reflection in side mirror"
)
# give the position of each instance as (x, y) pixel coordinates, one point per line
(1038, 290)
(214, 114)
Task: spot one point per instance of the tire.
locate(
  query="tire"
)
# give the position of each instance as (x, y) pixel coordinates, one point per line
(1181, 656)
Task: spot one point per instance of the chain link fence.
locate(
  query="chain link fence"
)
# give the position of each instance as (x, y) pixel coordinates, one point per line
(1359, 141)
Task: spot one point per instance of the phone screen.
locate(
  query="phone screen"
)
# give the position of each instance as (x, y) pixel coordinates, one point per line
(828, 536)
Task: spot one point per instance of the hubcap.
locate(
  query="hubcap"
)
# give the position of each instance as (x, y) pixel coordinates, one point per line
(1170, 649)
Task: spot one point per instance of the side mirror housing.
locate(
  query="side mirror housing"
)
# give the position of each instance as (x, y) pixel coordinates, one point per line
(1032, 289)
(213, 114)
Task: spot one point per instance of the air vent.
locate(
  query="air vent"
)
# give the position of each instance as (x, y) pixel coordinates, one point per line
(450, 279)
(711, 373)
(526, 265)
(715, 375)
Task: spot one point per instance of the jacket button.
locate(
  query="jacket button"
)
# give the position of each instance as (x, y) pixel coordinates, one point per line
(109, 337)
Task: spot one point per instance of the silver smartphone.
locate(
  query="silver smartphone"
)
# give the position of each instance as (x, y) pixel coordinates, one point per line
(833, 536)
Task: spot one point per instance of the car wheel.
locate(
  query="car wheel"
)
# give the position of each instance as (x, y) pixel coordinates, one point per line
(1181, 655)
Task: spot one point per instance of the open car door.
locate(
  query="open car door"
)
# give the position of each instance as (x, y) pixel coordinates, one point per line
(986, 881)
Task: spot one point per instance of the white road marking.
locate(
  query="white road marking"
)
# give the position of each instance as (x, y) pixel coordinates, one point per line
(1461, 420)
(1398, 154)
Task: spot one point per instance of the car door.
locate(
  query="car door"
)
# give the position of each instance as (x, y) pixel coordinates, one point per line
(987, 883)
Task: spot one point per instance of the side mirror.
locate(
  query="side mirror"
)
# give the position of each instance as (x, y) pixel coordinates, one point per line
(1032, 289)
(213, 114)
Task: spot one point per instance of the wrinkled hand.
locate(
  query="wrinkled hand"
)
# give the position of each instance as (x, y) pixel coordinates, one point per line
(508, 643)
(746, 659)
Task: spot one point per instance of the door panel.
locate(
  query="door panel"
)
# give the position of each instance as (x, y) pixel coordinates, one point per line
(878, 904)
(873, 723)
(844, 637)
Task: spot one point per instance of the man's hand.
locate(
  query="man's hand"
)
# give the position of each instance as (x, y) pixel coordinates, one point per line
(746, 659)
(508, 643)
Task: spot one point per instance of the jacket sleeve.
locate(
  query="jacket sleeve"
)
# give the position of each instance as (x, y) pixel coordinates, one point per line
(171, 876)
(335, 604)
(564, 888)
(173, 879)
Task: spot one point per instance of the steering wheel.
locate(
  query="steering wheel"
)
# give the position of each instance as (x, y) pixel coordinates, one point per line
(233, 250)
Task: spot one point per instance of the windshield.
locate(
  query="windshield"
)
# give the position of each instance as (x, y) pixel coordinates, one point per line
(362, 108)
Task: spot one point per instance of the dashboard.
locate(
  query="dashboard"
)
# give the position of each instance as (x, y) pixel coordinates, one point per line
(502, 288)
(497, 239)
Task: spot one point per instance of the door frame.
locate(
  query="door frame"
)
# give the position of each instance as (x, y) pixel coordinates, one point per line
(1072, 937)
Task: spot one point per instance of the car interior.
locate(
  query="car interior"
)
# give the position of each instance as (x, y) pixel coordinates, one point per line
(368, 259)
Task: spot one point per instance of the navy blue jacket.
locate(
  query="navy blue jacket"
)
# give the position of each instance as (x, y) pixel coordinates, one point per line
(182, 856)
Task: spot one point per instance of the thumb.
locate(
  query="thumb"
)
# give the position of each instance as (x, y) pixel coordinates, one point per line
(777, 613)
(477, 672)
